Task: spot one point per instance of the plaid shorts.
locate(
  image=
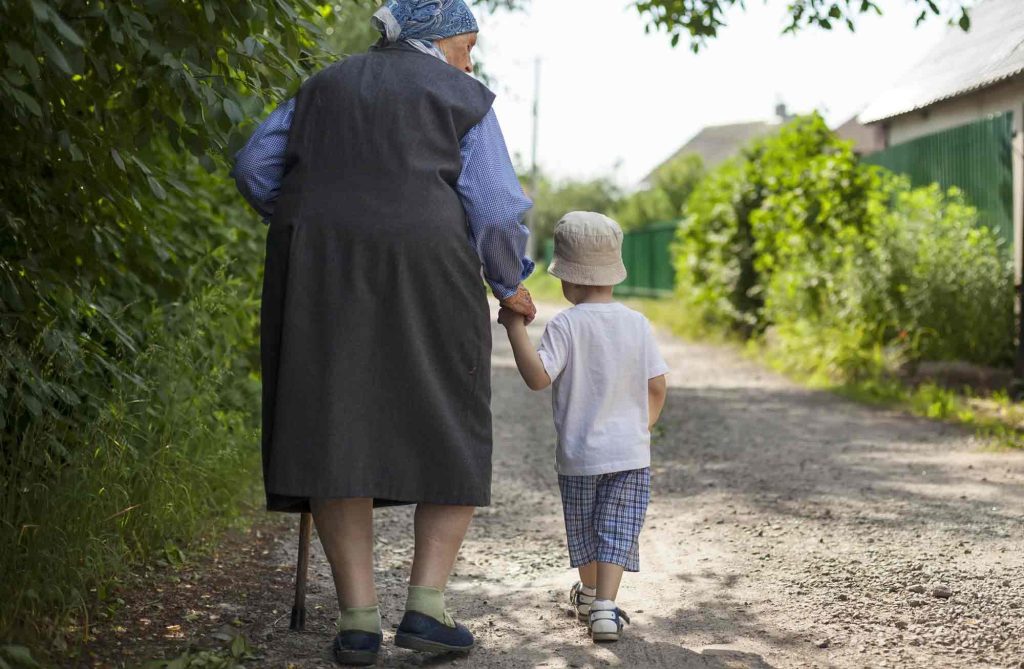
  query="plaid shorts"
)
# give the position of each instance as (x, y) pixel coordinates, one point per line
(603, 516)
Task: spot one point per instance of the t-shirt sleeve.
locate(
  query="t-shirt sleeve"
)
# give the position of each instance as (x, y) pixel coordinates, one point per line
(554, 348)
(656, 365)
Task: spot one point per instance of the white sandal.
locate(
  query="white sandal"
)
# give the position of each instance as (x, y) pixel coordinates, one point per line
(580, 601)
(606, 621)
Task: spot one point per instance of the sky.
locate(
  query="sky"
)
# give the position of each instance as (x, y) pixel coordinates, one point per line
(615, 101)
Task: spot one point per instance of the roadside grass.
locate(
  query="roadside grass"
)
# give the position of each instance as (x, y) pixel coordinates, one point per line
(994, 416)
(170, 461)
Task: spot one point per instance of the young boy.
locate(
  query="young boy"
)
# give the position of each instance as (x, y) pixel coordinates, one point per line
(609, 389)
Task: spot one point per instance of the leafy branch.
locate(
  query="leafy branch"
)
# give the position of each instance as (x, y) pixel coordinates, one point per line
(701, 20)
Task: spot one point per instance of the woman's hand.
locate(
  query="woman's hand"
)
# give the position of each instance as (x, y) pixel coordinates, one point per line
(521, 303)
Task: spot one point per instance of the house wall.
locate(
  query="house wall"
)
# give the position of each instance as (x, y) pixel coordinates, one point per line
(1008, 96)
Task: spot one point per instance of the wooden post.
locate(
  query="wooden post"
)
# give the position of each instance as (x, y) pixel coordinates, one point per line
(301, 570)
(531, 217)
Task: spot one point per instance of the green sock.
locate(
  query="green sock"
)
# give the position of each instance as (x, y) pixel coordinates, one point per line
(428, 601)
(365, 619)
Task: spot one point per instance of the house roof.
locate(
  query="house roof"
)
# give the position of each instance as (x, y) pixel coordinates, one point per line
(992, 51)
(716, 144)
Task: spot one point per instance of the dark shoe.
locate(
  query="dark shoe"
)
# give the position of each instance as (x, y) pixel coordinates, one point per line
(419, 631)
(357, 648)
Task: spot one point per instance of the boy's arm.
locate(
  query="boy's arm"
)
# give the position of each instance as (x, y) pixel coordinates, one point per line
(657, 389)
(527, 359)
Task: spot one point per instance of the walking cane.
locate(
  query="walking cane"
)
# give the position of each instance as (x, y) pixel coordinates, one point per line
(299, 608)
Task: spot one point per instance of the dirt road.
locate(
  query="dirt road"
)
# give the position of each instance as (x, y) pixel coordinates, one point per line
(788, 528)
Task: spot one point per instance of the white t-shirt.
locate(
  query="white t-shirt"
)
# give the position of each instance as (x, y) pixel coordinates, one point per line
(599, 357)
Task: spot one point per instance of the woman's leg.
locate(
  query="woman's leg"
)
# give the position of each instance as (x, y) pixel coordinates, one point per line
(345, 527)
(440, 529)
(426, 625)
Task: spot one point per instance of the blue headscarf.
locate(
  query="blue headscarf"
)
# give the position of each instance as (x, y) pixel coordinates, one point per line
(420, 22)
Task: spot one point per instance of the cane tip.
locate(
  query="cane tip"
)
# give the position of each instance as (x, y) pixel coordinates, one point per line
(298, 622)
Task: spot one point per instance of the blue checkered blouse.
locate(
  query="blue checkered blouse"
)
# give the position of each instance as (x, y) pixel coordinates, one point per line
(490, 192)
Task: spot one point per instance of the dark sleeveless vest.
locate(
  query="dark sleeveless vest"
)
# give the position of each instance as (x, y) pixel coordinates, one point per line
(375, 325)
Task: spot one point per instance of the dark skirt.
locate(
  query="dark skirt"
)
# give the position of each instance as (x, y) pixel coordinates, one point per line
(376, 356)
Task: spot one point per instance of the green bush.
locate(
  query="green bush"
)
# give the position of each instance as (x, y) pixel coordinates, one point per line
(842, 269)
(937, 279)
(715, 275)
(128, 274)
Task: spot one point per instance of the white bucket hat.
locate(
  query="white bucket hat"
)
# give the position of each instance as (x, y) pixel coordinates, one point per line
(588, 250)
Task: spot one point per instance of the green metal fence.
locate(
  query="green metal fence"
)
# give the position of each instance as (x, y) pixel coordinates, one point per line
(977, 158)
(549, 251)
(648, 258)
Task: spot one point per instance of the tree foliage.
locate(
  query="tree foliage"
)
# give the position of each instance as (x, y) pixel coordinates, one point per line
(128, 274)
(554, 199)
(109, 108)
(665, 198)
(701, 20)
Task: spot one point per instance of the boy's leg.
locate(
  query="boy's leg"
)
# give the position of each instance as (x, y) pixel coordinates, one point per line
(578, 497)
(608, 578)
(582, 595)
(588, 575)
(622, 499)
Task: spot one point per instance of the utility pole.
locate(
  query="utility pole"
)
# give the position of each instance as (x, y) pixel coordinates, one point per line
(531, 222)
(1017, 153)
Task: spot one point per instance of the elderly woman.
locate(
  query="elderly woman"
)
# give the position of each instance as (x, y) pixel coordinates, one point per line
(388, 188)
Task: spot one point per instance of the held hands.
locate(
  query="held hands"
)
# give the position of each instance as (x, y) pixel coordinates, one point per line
(521, 303)
(510, 318)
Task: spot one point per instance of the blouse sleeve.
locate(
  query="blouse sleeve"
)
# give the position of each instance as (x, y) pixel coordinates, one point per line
(259, 165)
(495, 206)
